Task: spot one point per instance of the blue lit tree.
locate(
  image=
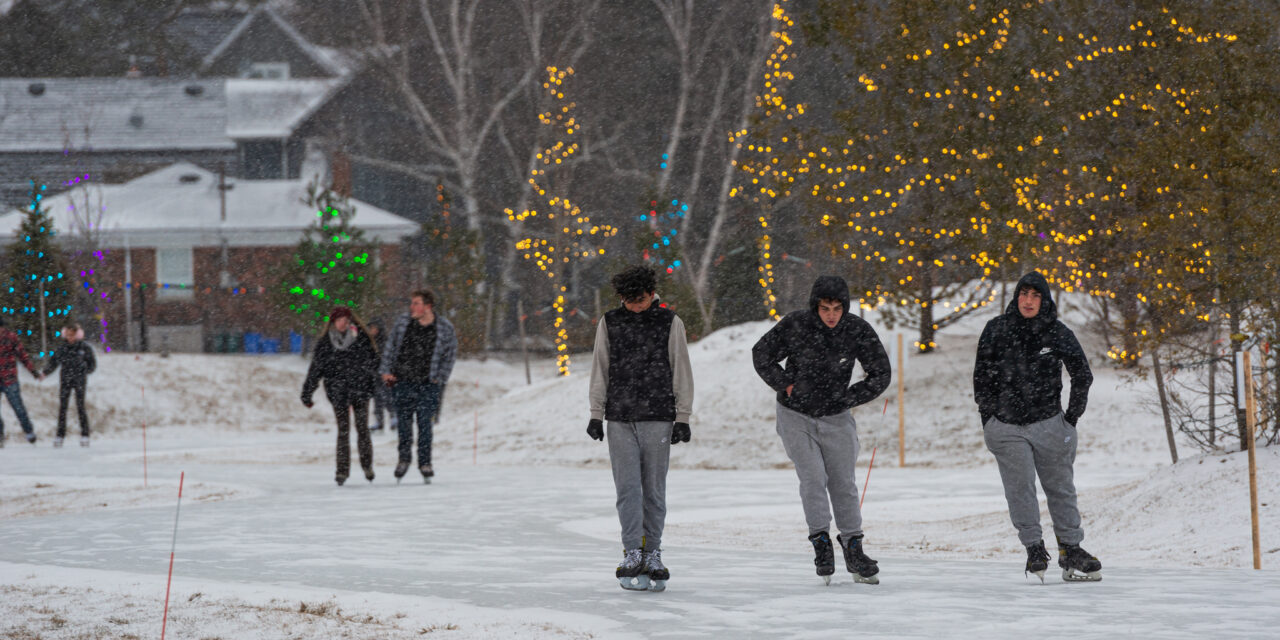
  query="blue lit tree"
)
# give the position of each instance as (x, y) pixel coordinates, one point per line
(34, 298)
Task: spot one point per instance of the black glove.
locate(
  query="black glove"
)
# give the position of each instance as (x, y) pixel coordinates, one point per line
(680, 432)
(1070, 421)
(595, 429)
(306, 402)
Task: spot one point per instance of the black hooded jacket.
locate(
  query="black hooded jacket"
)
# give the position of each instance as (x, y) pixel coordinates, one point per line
(349, 374)
(1018, 374)
(820, 359)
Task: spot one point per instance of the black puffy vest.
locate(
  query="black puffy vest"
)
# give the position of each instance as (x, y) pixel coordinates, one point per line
(640, 376)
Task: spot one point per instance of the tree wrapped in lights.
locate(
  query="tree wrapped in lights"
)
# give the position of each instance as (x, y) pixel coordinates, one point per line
(561, 235)
(332, 265)
(35, 299)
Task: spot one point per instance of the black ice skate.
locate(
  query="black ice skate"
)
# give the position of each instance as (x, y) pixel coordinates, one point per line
(1037, 560)
(1077, 565)
(658, 574)
(427, 473)
(340, 479)
(864, 569)
(630, 572)
(402, 468)
(368, 474)
(824, 559)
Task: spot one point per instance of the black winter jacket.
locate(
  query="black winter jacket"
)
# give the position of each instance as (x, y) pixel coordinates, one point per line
(348, 374)
(820, 359)
(1018, 374)
(76, 359)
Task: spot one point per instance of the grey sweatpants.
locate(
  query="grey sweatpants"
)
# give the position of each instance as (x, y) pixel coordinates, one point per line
(640, 453)
(824, 451)
(1046, 448)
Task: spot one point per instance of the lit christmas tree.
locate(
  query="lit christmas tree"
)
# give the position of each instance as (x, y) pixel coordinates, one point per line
(562, 233)
(35, 300)
(332, 265)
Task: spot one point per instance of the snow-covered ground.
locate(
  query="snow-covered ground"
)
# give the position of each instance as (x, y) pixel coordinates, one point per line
(518, 536)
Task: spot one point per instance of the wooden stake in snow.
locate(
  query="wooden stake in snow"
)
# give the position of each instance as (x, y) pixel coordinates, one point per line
(174, 547)
(902, 417)
(1250, 420)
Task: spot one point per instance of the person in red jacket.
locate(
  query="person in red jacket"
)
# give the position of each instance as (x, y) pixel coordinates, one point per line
(11, 353)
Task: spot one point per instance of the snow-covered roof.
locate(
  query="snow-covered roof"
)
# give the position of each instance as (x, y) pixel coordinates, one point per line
(123, 114)
(274, 108)
(180, 206)
(140, 114)
(325, 58)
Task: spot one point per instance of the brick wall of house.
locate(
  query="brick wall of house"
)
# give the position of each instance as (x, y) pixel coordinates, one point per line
(211, 310)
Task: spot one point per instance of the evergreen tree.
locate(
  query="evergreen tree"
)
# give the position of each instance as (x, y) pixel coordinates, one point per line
(34, 297)
(332, 265)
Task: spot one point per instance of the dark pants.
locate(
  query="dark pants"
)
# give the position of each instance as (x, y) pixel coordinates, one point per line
(14, 393)
(382, 404)
(343, 408)
(64, 396)
(420, 399)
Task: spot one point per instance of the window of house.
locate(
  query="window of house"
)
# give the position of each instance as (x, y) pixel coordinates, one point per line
(175, 269)
(263, 159)
(268, 71)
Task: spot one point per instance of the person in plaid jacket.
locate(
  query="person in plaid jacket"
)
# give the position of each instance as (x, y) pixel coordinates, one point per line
(11, 353)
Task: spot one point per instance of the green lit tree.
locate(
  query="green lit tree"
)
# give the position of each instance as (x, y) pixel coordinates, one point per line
(332, 265)
(35, 299)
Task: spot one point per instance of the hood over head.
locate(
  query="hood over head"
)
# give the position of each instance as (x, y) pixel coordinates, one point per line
(1033, 280)
(829, 288)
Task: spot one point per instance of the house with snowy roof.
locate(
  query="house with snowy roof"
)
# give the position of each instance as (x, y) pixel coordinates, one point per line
(204, 246)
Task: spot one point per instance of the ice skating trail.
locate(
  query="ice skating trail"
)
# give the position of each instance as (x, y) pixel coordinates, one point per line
(540, 543)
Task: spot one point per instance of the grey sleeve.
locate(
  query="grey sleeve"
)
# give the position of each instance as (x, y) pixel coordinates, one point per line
(681, 371)
(599, 390)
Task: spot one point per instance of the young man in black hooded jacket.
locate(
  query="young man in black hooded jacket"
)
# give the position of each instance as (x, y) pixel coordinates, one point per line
(820, 345)
(1017, 382)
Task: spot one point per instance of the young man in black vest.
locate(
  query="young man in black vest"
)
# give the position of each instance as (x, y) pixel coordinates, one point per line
(820, 346)
(641, 382)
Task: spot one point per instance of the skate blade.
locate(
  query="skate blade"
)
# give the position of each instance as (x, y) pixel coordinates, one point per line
(657, 585)
(866, 579)
(426, 481)
(1038, 574)
(638, 583)
(826, 580)
(1071, 575)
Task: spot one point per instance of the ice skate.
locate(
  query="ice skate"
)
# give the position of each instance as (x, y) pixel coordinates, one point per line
(1037, 560)
(57, 443)
(658, 574)
(824, 560)
(630, 572)
(402, 468)
(1077, 564)
(84, 441)
(427, 473)
(864, 569)
(368, 474)
(31, 438)
(339, 479)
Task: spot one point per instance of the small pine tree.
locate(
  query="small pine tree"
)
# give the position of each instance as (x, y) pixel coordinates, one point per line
(332, 265)
(34, 298)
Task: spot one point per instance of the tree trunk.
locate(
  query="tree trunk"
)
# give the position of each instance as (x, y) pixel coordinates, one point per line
(1242, 429)
(1129, 313)
(1164, 404)
(927, 330)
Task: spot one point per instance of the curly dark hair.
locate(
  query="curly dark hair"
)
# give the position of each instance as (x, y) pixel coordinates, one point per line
(634, 282)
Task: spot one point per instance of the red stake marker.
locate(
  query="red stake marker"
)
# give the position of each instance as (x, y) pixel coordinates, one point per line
(165, 622)
(144, 437)
(867, 482)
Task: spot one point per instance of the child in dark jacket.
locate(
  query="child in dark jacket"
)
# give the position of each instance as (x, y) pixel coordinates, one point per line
(346, 360)
(75, 357)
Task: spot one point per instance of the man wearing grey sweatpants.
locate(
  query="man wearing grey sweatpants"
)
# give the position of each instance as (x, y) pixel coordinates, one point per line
(820, 346)
(642, 383)
(1017, 382)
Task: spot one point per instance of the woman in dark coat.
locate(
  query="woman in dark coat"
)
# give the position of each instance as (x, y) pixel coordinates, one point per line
(346, 360)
